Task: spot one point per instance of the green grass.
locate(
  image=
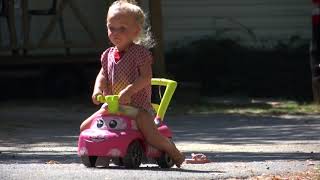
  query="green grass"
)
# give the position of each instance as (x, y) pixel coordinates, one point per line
(246, 107)
(180, 106)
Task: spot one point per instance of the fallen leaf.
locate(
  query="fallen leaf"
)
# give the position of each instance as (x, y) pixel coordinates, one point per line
(52, 162)
(310, 163)
(276, 178)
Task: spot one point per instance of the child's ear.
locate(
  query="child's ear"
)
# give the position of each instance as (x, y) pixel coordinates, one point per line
(138, 30)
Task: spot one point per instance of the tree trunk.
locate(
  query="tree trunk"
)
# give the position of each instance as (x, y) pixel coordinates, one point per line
(156, 27)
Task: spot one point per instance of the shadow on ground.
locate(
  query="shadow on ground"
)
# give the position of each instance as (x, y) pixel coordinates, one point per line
(241, 129)
(24, 129)
(47, 157)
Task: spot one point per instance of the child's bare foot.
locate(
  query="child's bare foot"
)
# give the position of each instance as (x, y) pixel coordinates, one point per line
(179, 160)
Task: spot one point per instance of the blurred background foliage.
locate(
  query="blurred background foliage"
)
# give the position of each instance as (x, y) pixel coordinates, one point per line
(222, 66)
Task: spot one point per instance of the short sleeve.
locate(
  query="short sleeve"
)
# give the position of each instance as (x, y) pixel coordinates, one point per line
(144, 57)
(104, 60)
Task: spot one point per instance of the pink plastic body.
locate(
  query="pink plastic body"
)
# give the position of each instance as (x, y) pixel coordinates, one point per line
(110, 136)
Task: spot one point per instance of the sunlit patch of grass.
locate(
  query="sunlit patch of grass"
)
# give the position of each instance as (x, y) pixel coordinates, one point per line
(247, 107)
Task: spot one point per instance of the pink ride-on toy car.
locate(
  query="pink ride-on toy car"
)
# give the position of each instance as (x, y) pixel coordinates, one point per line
(115, 138)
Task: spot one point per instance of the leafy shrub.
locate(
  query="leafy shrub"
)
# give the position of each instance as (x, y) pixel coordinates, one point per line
(226, 67)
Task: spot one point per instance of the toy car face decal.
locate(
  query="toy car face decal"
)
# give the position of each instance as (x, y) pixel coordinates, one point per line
(98, 138)
(111, 123)
(83, 151)
(100, 123)
(114, 152)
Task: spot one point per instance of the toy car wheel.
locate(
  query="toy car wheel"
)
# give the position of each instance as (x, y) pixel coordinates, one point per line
(133, 156)
(89, 161)
(117, 161)
(165, 161)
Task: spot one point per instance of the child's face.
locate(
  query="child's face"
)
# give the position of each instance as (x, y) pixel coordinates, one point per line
(122, 29)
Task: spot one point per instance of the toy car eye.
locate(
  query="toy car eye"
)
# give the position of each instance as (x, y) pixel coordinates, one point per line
(100, 123)
(113, 124)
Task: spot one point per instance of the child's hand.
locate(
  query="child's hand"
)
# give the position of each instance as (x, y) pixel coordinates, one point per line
(94, 96)
(125, 96)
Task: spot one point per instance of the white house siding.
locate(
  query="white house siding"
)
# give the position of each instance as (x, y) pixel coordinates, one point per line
(93, 11)
(270, 20)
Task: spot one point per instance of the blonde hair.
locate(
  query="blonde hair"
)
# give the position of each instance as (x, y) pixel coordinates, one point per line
(145, 37)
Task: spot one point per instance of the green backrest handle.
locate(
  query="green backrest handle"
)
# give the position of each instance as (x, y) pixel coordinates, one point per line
(111, 100)
(170, 88)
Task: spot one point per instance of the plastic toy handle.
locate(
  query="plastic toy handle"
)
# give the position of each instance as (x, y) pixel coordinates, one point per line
(170, 88)
(100, 98)
(111, 100)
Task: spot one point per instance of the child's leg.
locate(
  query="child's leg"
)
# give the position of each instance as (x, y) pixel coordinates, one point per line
(148, 128)
(86, 123)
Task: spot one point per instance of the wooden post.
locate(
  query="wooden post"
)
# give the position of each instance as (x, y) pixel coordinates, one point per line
(12, 26)
(159, 69)
(25, 25)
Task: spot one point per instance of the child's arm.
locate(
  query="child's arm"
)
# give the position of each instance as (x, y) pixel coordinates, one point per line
(142, 81)
(99, 86)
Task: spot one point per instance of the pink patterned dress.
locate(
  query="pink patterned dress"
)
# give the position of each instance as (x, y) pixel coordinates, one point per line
(125, 71)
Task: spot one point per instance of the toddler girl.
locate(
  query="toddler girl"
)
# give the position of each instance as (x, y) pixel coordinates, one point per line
(126, 71)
